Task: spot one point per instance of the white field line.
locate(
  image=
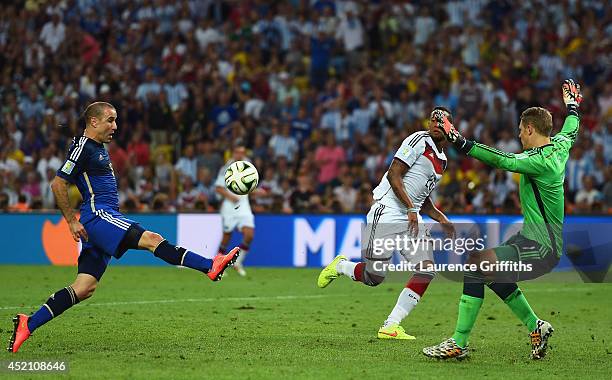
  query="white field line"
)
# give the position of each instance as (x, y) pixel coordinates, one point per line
(179, 300)
(272, 298)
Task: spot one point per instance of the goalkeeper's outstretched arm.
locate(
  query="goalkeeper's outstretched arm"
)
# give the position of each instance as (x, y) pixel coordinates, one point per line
(572, 98)
(526, 162)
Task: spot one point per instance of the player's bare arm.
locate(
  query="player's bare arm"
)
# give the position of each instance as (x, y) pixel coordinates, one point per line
(60, 191)
(395, 174)
(429, 209)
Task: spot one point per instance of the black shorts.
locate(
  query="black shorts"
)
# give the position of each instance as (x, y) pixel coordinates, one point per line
(538, 257)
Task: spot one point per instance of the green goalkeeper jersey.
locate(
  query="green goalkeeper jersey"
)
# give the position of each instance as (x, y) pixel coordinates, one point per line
(542, 172)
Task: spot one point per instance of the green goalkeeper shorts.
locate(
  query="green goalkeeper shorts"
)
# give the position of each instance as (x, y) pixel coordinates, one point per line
(537, 257)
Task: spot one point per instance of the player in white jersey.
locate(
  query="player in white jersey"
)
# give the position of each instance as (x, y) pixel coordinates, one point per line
(403, 192)
(235, 211)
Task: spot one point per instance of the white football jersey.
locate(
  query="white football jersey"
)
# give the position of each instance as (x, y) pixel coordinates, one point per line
(228, 207)
(426, 164)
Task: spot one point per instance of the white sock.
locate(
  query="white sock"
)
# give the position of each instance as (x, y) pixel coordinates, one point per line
(406, 301)
(243, 253)
(346, 268)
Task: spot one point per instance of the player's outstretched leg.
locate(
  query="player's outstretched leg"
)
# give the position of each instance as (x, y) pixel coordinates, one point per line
(60, 301)
(539, 331)
(407, 300)
(363, 272)
(330, 272)
(213, 268)
(469, 307)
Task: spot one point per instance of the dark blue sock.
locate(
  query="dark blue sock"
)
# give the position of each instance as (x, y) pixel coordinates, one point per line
(180, 256)
(195, 261)
(57, 303)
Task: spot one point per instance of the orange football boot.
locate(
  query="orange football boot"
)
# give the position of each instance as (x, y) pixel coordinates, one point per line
(21, 332)
(221, 262)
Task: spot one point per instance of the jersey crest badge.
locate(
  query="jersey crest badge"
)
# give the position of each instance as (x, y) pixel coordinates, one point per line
(68, 167)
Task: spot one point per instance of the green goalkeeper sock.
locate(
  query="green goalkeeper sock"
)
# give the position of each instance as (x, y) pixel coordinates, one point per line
(468, 311)
(520, 307)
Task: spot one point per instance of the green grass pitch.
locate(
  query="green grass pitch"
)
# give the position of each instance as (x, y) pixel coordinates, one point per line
(163, 322)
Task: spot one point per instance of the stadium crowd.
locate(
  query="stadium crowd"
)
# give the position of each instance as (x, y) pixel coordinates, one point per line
(322, 92)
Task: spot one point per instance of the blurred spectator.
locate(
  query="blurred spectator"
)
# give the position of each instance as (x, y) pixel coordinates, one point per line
(48, 160)
(161, 203)
(283, 144)
(328, 158)
(187, 198)
(501, 185)
(53, 32)
(6, 190)
(148, 88)
(588, 196)
(206, 185)
(139, 148)
(32, 105)
(187, 165)
(507, 143)
(346, 194)
(576, 168)
(31, 189)
(301, 197)
(163, 172)
(7, 163)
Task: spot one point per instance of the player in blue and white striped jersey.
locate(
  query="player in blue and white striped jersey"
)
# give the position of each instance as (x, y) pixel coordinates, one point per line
(102, 229)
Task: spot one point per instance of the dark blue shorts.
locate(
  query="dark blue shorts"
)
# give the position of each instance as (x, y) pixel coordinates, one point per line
(106, 230)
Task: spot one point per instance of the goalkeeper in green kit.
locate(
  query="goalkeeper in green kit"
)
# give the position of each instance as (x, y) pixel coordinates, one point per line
(539, 244)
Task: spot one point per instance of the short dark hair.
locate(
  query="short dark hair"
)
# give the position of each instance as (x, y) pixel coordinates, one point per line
(540, 118)
(96, 110)
(449, 115)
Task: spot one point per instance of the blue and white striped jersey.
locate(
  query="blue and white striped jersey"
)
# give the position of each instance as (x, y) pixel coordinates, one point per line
(88, 166)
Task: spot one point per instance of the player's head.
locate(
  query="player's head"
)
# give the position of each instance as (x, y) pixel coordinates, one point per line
(100, 121)
(239, 150)
(434, 131)
(536, 122)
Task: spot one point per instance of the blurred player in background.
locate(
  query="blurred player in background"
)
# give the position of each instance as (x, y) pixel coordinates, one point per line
(102, 229)
(540, 241)
(403, 192)
(235, 211)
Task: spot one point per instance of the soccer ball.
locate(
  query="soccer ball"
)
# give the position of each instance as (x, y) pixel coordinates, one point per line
(241, 177)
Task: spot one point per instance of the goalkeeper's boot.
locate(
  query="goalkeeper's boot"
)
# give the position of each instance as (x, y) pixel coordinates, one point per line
(330, 273)
(221, 262)
(446, 350)
(393, 331)
(21, 332)
(539, 339)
